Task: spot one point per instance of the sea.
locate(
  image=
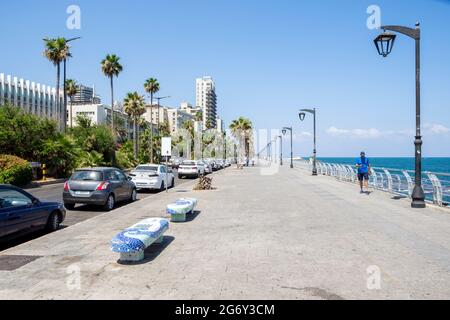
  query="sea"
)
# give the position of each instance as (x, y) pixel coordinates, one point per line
(438, 165)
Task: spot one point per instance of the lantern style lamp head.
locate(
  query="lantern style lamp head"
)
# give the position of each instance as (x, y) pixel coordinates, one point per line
(302, 116)
(284, 132)
(384, 43)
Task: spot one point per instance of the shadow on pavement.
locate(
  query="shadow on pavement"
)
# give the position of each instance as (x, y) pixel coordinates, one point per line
(151, 253)
(23, 237)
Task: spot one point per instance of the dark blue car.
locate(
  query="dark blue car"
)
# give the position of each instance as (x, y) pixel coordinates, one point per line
(20, 211)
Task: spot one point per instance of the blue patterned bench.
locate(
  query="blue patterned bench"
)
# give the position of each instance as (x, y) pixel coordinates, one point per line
(179, 209)
(132, 242)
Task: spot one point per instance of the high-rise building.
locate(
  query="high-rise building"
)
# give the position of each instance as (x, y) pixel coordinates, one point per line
(86, 95)
(206, 99)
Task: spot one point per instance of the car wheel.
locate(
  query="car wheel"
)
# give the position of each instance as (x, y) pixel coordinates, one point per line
(173, 182)
(162, 186)
(69, 206)
(180, 176)
(133, 196)
(110, 203)
(53, 222)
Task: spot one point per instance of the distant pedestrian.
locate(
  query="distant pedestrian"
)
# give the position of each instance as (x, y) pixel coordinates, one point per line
(364, 170)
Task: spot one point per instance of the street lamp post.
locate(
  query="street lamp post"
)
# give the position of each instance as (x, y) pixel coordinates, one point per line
(285, 130)
(302, 116)
(384, 43)
(65, 87)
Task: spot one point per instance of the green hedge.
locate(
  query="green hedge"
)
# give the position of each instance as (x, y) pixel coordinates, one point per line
(15, 170)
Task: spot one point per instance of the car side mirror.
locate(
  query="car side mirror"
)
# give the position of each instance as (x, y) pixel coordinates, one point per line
(35, 202)
(129, 178)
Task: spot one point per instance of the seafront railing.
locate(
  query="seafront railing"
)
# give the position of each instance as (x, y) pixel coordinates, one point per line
(396, 181)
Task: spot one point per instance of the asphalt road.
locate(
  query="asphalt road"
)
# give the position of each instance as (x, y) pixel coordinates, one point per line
(81, 213)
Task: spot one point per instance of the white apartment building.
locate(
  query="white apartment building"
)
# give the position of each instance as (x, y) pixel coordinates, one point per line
(187, 107)
(206, 99)
(32, 97)
(155, 114)
(176, 119)
(98, 114)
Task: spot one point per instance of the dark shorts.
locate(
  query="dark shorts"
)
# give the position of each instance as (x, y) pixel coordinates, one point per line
(363, 176)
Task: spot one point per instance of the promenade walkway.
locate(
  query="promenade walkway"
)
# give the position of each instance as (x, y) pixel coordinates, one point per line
(282, 236)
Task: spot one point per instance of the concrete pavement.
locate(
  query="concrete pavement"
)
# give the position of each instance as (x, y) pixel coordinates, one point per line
(282, 236)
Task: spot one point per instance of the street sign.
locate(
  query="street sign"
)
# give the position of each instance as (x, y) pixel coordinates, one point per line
(166, 147)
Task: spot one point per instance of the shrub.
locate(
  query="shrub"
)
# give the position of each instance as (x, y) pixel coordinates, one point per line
(14, 170)
(60, 155)
(125, 156)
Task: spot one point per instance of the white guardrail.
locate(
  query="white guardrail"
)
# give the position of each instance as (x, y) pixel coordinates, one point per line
(396, 181)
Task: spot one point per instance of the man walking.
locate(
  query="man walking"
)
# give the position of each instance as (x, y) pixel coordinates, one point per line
(364, 168)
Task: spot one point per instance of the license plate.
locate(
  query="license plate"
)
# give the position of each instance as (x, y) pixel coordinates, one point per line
(82, 193)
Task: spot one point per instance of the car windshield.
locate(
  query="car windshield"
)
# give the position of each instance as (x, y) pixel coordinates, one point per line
(188, 163)
(87, 175)
(147, 168)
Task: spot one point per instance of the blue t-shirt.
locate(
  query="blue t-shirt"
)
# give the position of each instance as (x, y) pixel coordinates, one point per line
(364, 165)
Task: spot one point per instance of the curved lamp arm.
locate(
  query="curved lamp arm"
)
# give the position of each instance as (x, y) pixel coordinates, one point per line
(412, 33)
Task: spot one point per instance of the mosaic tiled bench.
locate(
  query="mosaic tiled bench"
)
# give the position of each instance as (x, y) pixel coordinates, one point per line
(181, 208)
(132, 242)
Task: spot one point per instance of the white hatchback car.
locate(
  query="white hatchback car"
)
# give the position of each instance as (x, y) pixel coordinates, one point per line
(191, 168)
(152, 176)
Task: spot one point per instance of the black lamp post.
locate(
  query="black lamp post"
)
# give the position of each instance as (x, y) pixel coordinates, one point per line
(285, 130)
(302, 116)
(65, 87)
(384, 43)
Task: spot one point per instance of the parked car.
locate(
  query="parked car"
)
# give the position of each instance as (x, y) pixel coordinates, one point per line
(152, 177)
(191, 168)
(98, 186)
(208, 166)
(175, 163)
(20, 211)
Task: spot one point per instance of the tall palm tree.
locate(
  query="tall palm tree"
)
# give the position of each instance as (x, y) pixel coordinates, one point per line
(242, 131)
(111, 68)
(151, 86)
(56, 50)
(134, 106)
(71, 90)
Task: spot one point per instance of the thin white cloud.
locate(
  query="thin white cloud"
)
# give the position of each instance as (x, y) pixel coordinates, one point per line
(372, 133)
(302, 135)
(435, 128)
(358, 133)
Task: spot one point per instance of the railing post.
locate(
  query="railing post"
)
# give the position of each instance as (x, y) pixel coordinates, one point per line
(410, 183)
(389, 180)
(437, 189)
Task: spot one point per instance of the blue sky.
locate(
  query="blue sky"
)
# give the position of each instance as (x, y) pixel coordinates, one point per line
(268, 58)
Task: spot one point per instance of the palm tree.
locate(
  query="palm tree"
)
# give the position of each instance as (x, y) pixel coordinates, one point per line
(151, 86)
(111, 68)
(198, 116)
(134, 106)
(242, 131)
(72, 90)
(56, 50)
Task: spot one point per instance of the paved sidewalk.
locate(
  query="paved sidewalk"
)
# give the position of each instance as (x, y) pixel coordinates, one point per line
(283, 236)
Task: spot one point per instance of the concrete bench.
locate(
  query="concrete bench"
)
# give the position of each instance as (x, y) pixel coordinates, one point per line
(132, 242)
(179, 209)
